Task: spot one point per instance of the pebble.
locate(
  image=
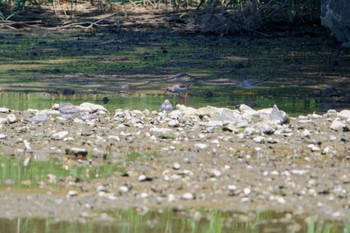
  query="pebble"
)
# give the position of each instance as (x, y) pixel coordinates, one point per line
(176, 166)
(187, 196)
(72, 193)
(4, 110)
(338, 125)
(232, 187)
(123, 189)
(3, 136)
(11, 118)
(59, 135)
(200, 146)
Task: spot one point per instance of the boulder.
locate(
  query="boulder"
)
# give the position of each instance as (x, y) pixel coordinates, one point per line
(335, 15)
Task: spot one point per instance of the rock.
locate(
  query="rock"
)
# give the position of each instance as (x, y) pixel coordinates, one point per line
(59, 135)
(3, 120)
(278, 116)
(187, 111)
(247, 111)
(77, 151)
(176, 166)
(11, 118)
(335, 15)
(200, 146)
(338, 125)
(162, 132)
(188, 196)
(214, 124)
(225, 114)
(173, 123)
(98, 153)
(344, 114)
(89, 107)
(123, 189)
(4, 110)
(207, 111)
(38, 118)
(72, 193)
(305, 134)
(313, 147)
(3, 136)
(259, 139)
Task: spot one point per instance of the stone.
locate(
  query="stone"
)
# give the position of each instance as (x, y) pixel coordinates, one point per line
(188, 196)
(344, 114)
(3, 120)
(338, 125)
(89, 107)
(123, 189)
(4, 110)
(225, 114)
(59, 135)
(38, 118)
(3, 136)
(162, 132)
(247, 111)
(98, 153)
(11, 118)
(207, 111)
(278, 116)
(77, 151)
(173, 123)
(200, 146)
(335, 15)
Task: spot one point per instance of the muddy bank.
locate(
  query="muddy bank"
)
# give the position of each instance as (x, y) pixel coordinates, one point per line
(213, 158)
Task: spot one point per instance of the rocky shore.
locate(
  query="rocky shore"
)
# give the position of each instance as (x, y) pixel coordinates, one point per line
(218, 158)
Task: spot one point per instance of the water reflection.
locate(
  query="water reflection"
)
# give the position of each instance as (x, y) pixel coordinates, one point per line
(292, 105)
(169, 220)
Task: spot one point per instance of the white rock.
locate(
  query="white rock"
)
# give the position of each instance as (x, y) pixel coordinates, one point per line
(187, 196)
(171, 197)
(338, 125)
(232, 187)
(225, 114)
(207, 111)
(173, 123)
(200, 146)
(89, 107)
(176, 166)
(247, 191)
(4, 110)
(305, 134)
(313, 147)
(344, 114)
(259, 139)
(214, 124)
(72, 193)
(3, 136)
(160, 131)
(59, 135)
(214, 173)
(142, 178)
(123, 189)
(11, 118)
(3, 120)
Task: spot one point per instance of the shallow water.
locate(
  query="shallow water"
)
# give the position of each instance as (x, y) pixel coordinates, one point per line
(179, 221)
(292, 105)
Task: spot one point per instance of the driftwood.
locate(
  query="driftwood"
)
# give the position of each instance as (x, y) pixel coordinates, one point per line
(83, 23)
